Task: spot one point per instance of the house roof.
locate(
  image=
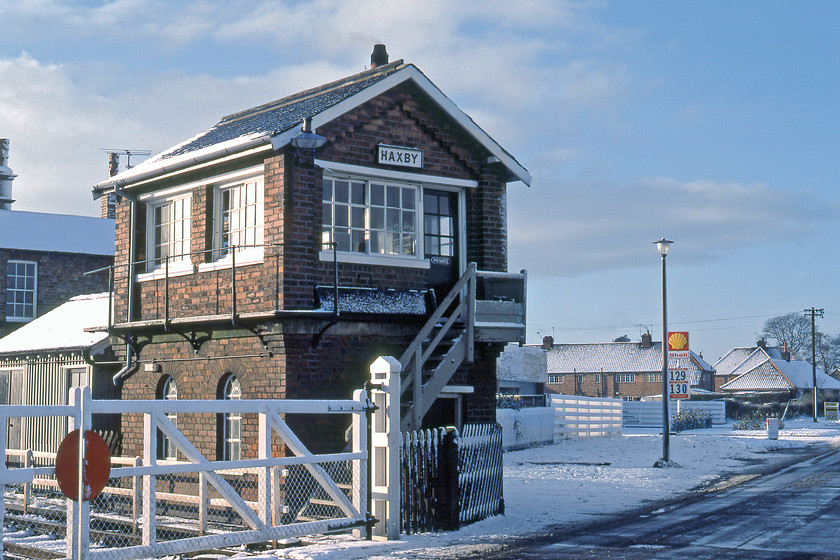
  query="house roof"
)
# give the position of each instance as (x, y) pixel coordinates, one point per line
(273, 124)
(765, 369)
(615, 357)
(60, 233)
(62, 328)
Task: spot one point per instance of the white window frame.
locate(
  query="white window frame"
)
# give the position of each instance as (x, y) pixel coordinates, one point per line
(625, 377)
(181, 263)
(254, 228)
(653, 377)
(231, 418)
(355, 172)
(166, 449)
(555, 378)
(12, 317)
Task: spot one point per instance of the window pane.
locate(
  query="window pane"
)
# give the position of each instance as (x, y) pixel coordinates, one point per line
(408, 219)
(327, 214)
(393, 197)
(357, 240)
(342, 193)
(327, 190)
(358, 193)
(357, 218)
(342, 215)
(342, 238)
(430, 204)
(407, 198)
(377, 218)
(377, 194)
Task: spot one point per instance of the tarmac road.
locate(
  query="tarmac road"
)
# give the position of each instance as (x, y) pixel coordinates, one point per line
(793, 513)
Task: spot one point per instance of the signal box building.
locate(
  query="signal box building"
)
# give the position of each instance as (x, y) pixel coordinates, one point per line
(278, 253)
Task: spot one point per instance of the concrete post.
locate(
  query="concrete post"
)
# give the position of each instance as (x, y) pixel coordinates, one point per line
(385, 447)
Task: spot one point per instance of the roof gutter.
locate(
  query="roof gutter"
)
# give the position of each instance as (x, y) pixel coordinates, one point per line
(179, 163)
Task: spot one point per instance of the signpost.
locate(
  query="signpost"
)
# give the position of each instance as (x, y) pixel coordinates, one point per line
(679, 360)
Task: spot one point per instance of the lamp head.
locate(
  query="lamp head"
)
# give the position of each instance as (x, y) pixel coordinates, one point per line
(663, 245)
(306, 139)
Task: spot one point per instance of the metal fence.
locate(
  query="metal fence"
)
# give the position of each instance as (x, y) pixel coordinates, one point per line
(586, 416)
(152, 507)
(448, 479)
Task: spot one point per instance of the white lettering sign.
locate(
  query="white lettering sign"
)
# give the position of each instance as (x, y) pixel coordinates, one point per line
(395, 155)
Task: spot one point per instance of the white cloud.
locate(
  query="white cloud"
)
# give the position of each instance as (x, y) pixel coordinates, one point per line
(599, 226)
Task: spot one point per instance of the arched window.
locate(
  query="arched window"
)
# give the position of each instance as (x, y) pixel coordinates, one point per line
(167, 390)
(231, 424)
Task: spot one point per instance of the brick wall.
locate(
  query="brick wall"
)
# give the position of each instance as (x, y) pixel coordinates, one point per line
(301, 364)
(60, 277)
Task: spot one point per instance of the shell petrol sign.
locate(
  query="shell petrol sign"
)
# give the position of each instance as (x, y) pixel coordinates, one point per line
(679, 386)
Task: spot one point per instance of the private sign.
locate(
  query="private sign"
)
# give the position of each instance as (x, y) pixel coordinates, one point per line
(396, 155)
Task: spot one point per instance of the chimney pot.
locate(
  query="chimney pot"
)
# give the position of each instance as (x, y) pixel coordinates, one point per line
(379, 56)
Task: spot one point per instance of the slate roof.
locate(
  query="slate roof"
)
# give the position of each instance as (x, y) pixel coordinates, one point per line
(60, 233)
(62, 328)
(282, 114)
(279, 120)
(615, 357)
(764, 369)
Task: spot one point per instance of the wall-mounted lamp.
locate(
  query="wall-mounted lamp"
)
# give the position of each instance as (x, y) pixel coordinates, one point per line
(306, 139)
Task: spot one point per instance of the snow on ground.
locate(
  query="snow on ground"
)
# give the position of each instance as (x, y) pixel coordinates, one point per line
(579, 479)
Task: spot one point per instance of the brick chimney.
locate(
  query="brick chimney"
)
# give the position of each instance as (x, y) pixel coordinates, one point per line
(6, 176)
(379, 56)
(108, 203)
(647, 340)
(548, 343)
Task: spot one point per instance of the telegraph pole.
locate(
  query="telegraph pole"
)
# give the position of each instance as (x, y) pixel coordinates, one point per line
(813, 312)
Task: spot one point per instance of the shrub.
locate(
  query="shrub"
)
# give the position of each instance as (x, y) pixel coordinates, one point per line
(509, 401)
(691, 419)
(756, 421)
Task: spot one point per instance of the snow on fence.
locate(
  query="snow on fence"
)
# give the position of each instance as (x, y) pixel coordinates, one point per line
(525, 427)
(648, 414)
(585, 416)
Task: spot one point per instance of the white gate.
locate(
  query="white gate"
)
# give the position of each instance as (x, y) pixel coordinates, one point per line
(153, 508)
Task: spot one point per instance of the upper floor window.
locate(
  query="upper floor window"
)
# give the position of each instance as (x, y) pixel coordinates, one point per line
(21, 290)
(373, 217)
(169, 228)
(239, 218)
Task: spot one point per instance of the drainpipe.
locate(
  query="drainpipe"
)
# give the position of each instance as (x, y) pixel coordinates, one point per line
(124, 374)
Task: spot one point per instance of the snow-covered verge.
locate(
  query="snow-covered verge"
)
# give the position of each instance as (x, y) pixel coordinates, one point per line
(579, 479)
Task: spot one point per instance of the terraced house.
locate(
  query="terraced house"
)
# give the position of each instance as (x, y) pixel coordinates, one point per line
(278, 253)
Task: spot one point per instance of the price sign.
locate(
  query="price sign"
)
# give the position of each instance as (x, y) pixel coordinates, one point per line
(679, 384)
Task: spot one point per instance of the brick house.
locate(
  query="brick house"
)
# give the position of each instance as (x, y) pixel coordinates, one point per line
(234, 247)
(627, 370)
(44, 257)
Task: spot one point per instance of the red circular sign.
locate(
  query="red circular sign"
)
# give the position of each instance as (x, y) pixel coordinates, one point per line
(97, 467)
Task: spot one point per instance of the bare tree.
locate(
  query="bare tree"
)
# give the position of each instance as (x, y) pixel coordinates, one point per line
(792, 329)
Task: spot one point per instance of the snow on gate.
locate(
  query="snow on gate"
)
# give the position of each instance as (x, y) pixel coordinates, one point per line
(153, 508)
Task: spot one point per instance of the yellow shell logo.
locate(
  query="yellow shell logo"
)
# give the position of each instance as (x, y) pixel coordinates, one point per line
(677, 341)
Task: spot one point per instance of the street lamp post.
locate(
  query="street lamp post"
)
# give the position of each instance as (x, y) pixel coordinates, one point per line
(663, 245)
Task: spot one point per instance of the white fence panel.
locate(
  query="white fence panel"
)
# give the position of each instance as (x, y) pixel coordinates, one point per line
(586, 416)
(526, 427)
(648, 414)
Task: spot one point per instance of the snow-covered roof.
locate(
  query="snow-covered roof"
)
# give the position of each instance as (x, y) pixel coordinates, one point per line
(60, 233)
(62, 328)
(615, 357)
(765, 369)
(273, 124)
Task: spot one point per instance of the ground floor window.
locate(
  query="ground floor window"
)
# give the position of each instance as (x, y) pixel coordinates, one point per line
(167, 390)
(625, 378)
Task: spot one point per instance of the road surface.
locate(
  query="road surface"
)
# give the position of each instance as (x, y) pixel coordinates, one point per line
(793, 513)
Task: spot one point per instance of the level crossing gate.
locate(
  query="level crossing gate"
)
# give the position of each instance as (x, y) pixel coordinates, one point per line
(153, 508)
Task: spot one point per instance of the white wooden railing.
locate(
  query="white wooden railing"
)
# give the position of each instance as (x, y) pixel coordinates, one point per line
(585, 416)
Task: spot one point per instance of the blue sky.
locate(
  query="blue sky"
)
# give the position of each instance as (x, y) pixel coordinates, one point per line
(711, 123)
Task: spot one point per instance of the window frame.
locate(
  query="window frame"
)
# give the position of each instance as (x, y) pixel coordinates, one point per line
(625, 377)
(181, 263)
(558, 378)
(165, 449)
(254, 251)
(365, 210)
(14, 318)
(653, 378)
(228, 419)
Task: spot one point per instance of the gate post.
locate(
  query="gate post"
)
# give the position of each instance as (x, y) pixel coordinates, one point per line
(385, 447)
(78, 511)
(360, 469)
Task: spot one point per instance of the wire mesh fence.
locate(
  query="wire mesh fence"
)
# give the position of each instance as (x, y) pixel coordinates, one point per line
(191, 504)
